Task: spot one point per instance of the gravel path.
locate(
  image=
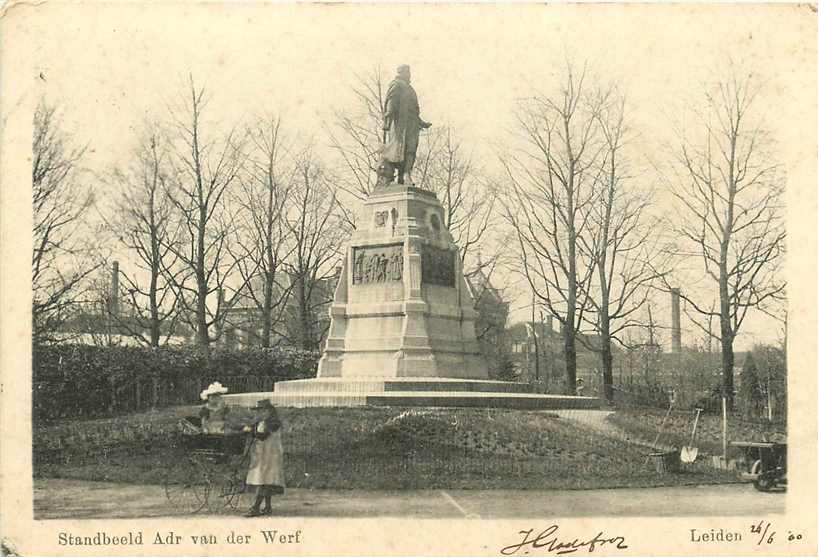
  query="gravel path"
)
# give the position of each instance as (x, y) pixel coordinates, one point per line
(60, 499)
(597, 421)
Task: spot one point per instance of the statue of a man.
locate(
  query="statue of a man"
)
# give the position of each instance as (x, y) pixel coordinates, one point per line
(401, 125)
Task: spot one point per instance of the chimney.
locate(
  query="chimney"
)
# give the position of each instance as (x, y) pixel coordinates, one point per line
(676, 322)
(549, 326)
(113, 306)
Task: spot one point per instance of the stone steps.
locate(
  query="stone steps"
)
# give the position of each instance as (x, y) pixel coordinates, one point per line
(522, 401)
(413, 384)
(300, 400)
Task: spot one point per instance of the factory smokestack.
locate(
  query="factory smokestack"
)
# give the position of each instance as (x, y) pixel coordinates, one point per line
(676, 322)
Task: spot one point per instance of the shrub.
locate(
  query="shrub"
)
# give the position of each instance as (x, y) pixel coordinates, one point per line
(506, 368)
(762, 383)
(73, 380)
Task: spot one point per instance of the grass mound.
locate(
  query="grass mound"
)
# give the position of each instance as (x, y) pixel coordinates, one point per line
(384, 448)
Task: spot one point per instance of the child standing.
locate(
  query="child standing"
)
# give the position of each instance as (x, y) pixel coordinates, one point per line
(266, 470)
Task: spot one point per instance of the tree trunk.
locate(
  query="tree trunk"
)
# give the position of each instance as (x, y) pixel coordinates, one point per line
(266, 316)
(301, 322)
(570, 315)
(270, 261)
(769, 400)
(304, 315)
(202, 335)
(570, 357)
(536, 344)
(154, 313)
(153, 322)
(604, 307)
(607, 356)
(727, 361)
(727, 336)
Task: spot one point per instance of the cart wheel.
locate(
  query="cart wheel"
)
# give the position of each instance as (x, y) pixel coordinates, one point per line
(762, 481)
(233, 493)
(764, 484)
(187, 485)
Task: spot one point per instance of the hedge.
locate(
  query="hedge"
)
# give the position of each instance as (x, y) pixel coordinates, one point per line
(78, 381)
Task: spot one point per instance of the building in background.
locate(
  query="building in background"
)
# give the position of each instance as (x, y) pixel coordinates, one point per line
(537, 351)
(243, 324)
(490, 326)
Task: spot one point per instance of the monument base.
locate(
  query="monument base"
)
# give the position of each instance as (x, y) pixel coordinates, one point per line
(402, 307)
(411, 391)
(402, 322)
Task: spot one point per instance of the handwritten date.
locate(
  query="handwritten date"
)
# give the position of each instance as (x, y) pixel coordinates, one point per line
(769, 536)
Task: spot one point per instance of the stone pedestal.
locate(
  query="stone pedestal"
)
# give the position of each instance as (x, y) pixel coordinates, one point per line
(402, 323)
(401, 307)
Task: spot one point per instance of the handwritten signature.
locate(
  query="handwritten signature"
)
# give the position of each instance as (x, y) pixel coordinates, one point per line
(549, 540)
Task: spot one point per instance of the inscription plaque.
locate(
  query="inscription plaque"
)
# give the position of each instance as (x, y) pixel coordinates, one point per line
(437, 266)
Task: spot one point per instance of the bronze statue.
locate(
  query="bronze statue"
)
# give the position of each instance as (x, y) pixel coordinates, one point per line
(401, 126)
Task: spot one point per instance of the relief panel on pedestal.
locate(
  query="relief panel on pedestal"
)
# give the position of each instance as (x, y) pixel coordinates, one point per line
(377, 264)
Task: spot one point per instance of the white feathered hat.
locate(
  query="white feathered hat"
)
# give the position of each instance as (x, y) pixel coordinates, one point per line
(214, 389)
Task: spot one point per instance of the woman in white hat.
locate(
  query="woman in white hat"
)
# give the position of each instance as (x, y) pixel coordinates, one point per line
(266, 470)
(214, 411)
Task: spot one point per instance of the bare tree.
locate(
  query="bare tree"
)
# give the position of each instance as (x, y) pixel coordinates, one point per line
(59, 260)
(263, 244)
(204, 167)
(625, 247)
(729, 194)
(145, 225)
(551, 195)
(315, 229)
(357, 135)
(469, 201)
(97, 321)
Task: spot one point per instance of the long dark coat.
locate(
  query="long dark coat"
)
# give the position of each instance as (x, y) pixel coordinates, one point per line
(403, 113)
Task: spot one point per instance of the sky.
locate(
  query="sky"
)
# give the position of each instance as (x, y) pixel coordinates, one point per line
(108, 66)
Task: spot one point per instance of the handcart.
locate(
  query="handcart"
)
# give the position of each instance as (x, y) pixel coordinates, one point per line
(210, 472)
(765, 463)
